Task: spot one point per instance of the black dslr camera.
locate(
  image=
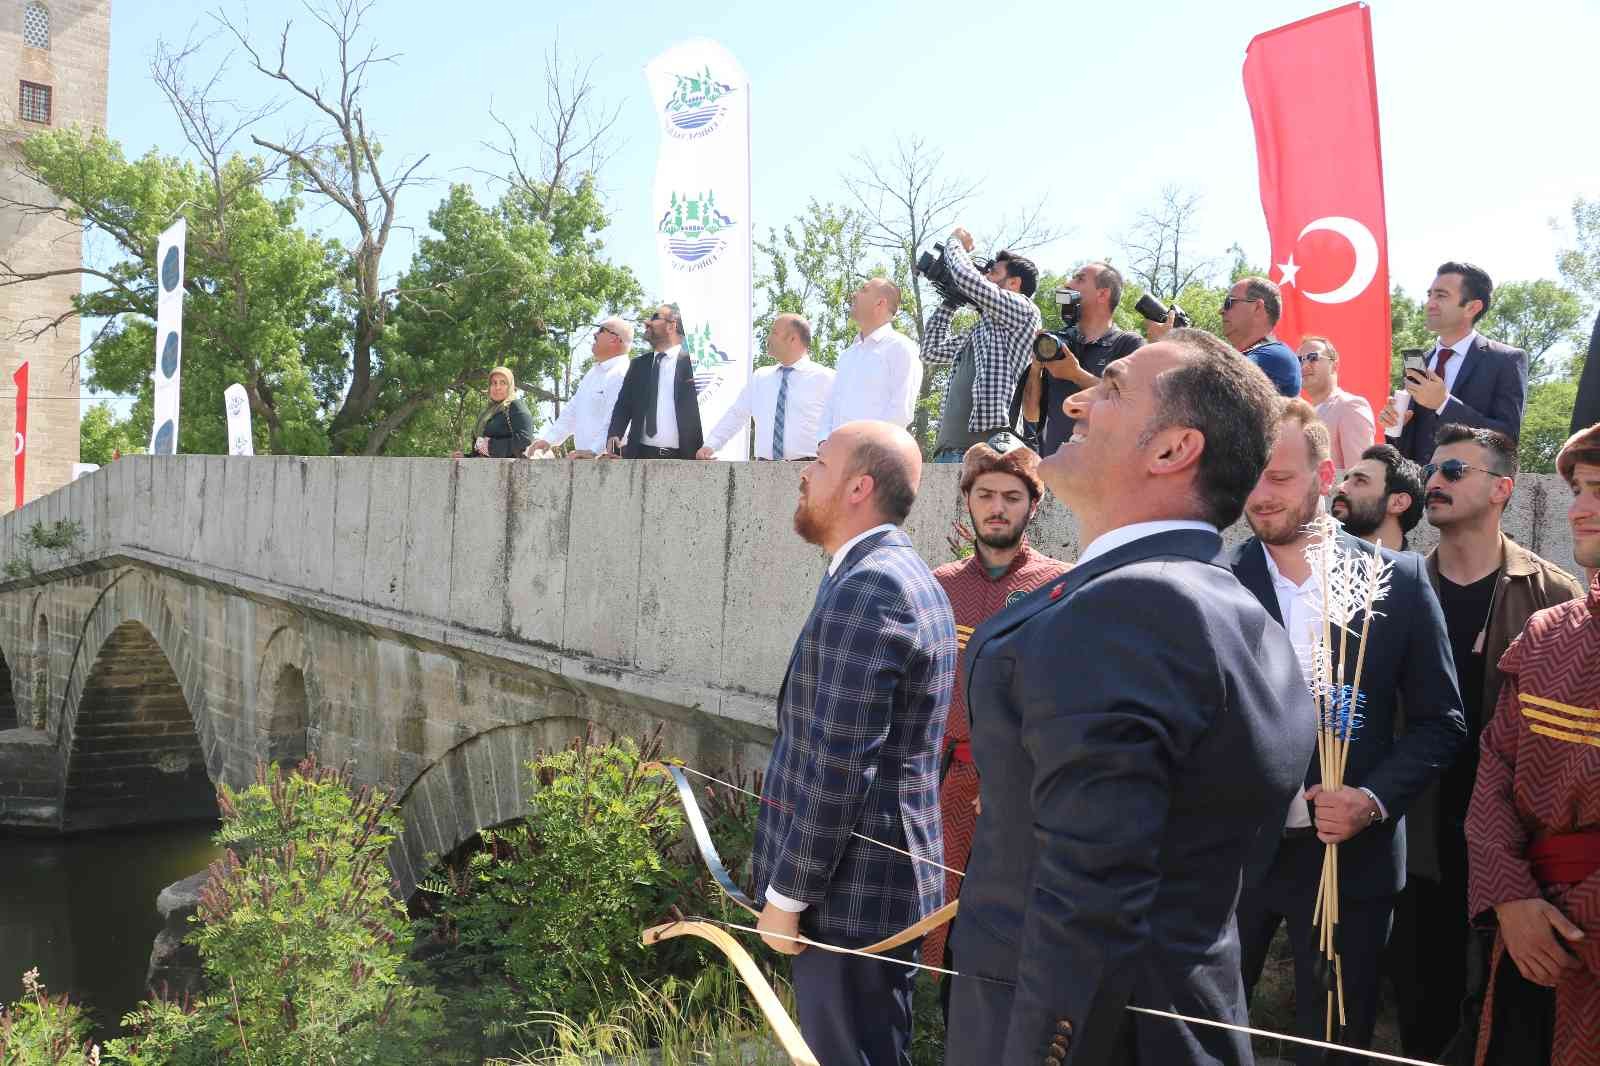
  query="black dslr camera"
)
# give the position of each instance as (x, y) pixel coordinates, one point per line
(1152, 310)
(932, 266)
(1049, 345)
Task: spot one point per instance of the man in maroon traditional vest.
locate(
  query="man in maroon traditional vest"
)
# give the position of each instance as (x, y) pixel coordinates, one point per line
(1533, 827)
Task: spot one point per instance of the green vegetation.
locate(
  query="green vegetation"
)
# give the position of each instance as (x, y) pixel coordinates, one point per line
(44, 1030)
(58, 538)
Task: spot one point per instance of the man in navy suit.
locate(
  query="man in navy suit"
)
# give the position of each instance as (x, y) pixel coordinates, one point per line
(1469, 378)
(657, 415)
(1407, 657)
(1137, 725)
(861, 718)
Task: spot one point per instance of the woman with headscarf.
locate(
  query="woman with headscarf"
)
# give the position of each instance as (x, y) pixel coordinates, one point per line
(505, 429)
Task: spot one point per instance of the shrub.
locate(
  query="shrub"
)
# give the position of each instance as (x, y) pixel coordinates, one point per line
(44, 1030)
(301, 940)
(545, 916)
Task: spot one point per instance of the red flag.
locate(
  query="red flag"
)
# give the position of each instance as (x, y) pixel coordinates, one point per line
(20, 442)
(1314, 101)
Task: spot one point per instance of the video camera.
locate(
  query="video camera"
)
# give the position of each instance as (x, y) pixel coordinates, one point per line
(932, 266)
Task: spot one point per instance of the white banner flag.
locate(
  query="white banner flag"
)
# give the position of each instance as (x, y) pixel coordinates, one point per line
(169, 338)
(701, 210)
(240, 442)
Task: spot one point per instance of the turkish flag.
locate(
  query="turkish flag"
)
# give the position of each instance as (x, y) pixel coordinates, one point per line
(1314, 102)
(20, 442)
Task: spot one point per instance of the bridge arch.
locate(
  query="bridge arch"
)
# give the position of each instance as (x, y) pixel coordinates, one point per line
(138, 745)
(479, 783)
(285, 696)
(8, 696)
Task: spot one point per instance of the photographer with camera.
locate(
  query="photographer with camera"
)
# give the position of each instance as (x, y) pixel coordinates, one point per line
(986, 360)
(1073, 360)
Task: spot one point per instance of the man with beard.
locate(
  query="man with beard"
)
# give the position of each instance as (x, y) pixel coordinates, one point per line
(1488, 586)
(1379, 499)
(656, 415)
(1138, 723)
(861, 717)
(1533, 828)
(1407, 656)
(1000, 488)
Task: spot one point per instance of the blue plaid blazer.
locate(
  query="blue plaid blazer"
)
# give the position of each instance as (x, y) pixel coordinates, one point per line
(860, 728)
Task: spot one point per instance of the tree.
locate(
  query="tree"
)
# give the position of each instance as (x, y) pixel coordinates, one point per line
(1580, 264)
(812, 268)
(509, 284)
(1540, 317)
(101, 436)
(1545, 425)
(262, 303)
(1160, 246)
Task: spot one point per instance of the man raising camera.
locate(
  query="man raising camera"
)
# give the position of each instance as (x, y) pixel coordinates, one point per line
(1093, 343)
(987, 359)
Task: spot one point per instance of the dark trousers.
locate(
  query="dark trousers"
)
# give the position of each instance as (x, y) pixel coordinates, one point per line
(855, 1011)
(1288, 895)
(1524, 1019)
(1427, 960)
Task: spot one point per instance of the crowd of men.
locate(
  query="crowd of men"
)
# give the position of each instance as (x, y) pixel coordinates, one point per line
(1110, 763)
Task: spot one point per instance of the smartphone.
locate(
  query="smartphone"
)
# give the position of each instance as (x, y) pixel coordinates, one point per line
(1415, 359)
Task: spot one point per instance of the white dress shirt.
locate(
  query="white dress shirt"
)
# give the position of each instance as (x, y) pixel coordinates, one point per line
(587, 416)
(810, 385)
(1453, 367)
(774, 897)
(878, 378)
(666, 434)
(1300, 607)
(1116, 538)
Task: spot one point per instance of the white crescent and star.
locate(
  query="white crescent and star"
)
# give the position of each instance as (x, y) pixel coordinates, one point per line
(1366, 265)
(17, 441)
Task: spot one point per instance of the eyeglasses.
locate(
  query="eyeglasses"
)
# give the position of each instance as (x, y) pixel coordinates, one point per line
(608, 329)
(1229, 301)
(1310, 357)
(1454, 470)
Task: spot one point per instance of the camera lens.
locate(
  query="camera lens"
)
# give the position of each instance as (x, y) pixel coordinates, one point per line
(1046, 347)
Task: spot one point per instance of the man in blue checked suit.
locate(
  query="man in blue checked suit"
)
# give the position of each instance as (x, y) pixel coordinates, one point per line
(860, 729)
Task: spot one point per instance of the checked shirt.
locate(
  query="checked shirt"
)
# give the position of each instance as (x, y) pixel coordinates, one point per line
(1002, 341)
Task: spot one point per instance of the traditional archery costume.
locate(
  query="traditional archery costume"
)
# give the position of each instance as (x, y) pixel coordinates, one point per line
(975, 596)
(1533, 830)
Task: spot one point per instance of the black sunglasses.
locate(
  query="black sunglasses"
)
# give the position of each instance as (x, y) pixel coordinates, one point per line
(1229, 301)
(1454, 470)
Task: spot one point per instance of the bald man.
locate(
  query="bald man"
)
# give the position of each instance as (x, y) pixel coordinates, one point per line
(860, 733)
(879, 375)
(787, 400)
(588, 413)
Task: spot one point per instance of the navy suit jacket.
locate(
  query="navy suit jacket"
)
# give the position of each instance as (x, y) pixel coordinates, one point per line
(1490, 391)
(1122, 796)
(861, 718)
(1408, 658)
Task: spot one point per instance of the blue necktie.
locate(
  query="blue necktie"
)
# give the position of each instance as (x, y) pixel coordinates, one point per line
(777, 417)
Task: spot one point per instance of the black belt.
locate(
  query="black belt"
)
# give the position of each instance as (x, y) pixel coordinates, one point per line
(788, 459)
(645, 451)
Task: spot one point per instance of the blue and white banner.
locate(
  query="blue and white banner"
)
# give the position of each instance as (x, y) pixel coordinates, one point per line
(701, 209)
(170, 251)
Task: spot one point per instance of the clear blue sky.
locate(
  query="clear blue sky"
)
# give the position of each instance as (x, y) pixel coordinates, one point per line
(1487, 110)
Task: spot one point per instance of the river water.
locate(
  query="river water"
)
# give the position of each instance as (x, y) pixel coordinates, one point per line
(83, 910)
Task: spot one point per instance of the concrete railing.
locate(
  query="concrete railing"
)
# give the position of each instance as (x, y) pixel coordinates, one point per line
(680, 582)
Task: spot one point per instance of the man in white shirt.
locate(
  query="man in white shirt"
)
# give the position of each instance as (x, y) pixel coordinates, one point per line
(880, 375)
(787, 400)
(588, 412)
(656, 415)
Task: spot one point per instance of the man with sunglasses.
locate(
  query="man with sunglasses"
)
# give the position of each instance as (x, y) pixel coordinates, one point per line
(1488, 585)
(1249, 313)
(588, 413)
(1347, 416)
(657, 415)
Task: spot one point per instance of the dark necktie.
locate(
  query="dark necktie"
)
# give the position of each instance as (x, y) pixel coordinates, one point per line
(1441, 359)
(777, 417)
(652, 393)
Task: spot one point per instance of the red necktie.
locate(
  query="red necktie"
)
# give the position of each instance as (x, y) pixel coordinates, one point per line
(1440, 358)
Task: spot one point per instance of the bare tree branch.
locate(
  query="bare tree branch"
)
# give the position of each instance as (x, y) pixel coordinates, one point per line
(1159, 246)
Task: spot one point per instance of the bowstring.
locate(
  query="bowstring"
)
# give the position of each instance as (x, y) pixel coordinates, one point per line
(859, 836)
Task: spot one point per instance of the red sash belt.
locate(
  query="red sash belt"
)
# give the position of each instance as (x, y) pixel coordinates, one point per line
(961, 751)
(1565, 858)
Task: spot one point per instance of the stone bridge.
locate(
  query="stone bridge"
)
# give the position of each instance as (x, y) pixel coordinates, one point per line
(433, 623)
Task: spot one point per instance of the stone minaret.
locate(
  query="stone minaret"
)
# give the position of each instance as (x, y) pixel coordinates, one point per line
(53, 68)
